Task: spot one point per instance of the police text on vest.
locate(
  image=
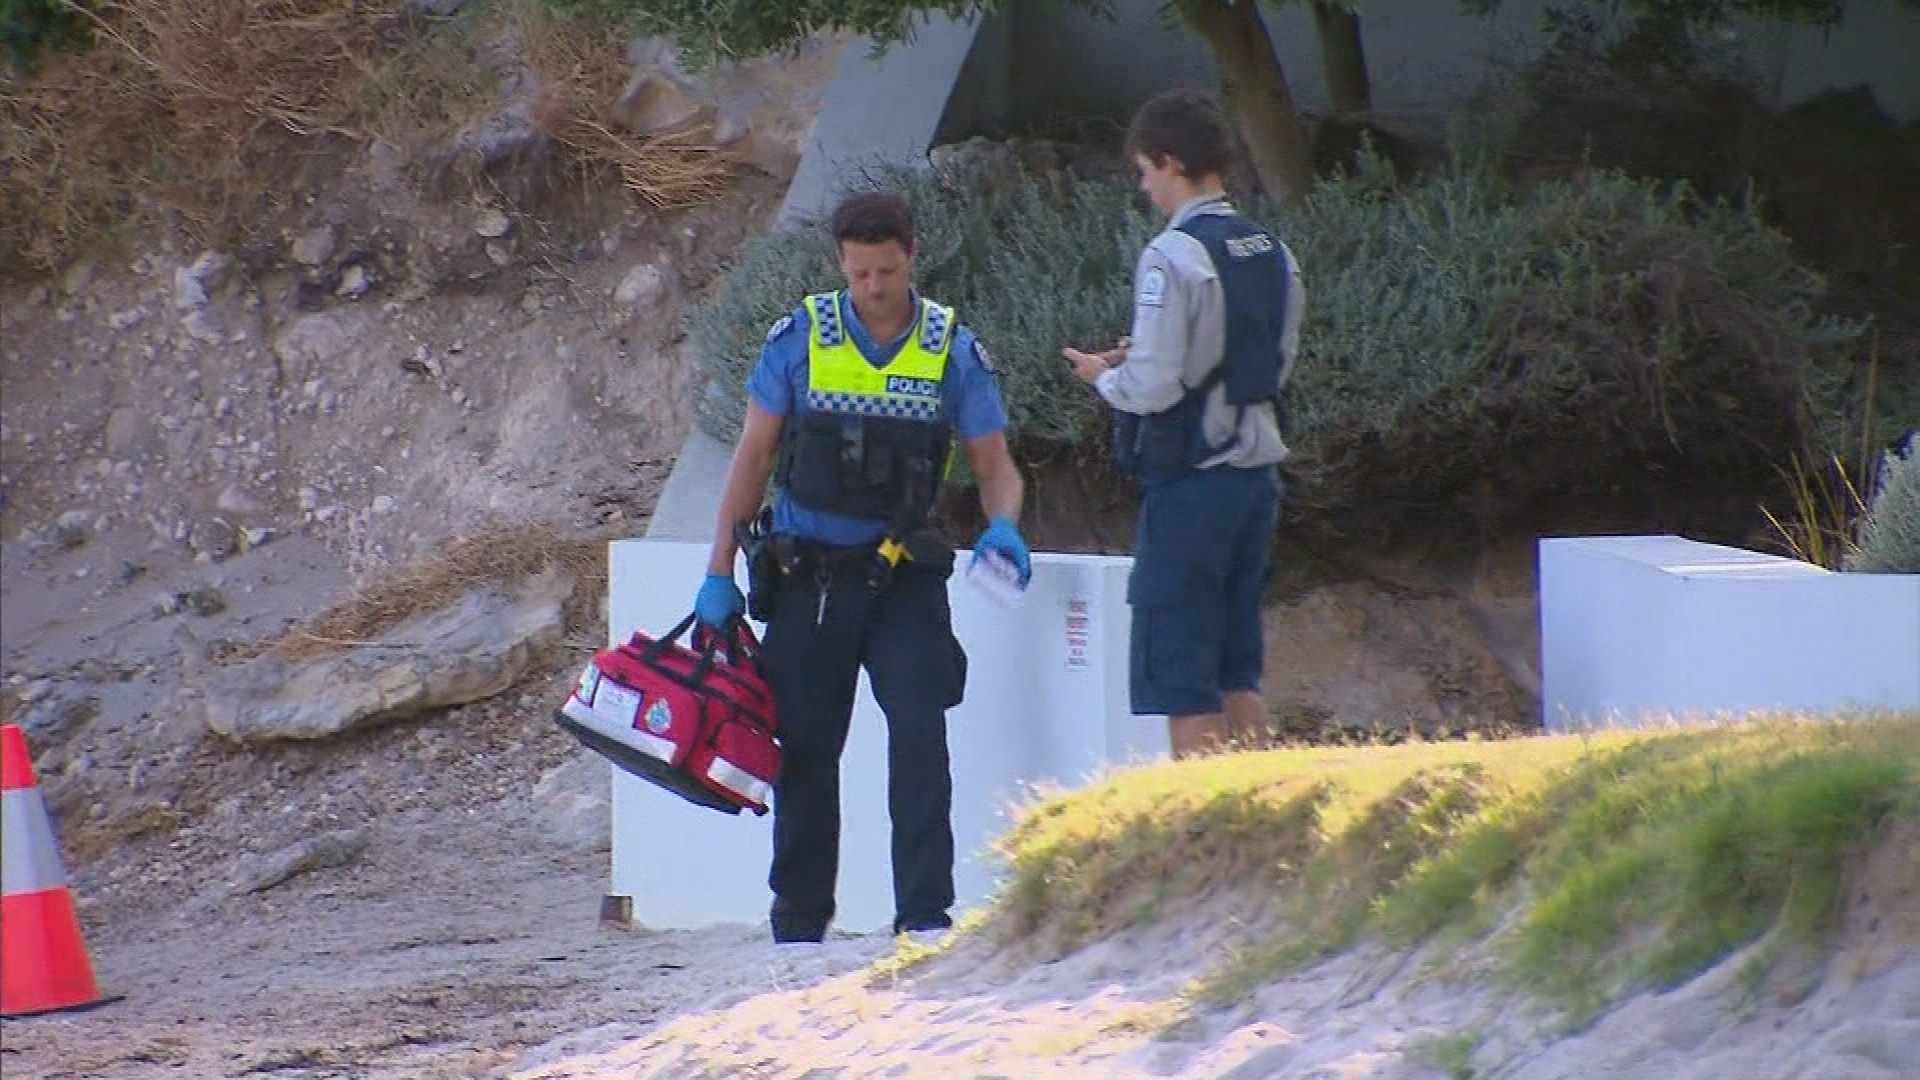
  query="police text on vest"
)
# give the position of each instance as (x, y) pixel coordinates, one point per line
(908, 386)
(1245, 247)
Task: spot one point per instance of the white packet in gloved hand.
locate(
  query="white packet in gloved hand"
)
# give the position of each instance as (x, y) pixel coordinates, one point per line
(996, 575)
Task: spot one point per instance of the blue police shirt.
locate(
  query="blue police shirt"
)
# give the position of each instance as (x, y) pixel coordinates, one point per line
(970, 401)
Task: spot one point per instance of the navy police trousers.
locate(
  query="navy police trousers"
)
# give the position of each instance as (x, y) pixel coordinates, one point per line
(902, 634)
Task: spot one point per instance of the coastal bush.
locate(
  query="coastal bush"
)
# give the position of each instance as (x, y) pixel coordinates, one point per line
(1470, 346)
(1890, 531)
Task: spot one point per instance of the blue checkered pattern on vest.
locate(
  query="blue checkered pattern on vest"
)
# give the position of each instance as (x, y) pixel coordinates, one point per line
(826, 319)
(863, 405)
(935, 324)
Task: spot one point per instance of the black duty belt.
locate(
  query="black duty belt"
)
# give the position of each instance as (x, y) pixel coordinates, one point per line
(801, 555)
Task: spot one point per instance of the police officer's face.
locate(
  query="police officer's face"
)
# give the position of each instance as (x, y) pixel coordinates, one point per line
(878, 275)
(1162, 182)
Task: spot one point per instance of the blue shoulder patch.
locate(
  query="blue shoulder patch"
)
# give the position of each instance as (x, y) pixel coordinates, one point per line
(785, 324)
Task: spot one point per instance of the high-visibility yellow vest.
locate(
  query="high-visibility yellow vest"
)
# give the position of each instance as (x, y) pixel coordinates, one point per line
(840, 380)
(867, 433)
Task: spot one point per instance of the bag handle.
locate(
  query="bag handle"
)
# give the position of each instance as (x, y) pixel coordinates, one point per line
(659, 645)
(702, 644)
(740, 646)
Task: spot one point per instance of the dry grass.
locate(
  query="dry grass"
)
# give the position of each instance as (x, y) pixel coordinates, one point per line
(1823, 524)
(1827, 499)
(214, 116)
(280, 62)
(585, 72)
(183, 113)
(503, 555)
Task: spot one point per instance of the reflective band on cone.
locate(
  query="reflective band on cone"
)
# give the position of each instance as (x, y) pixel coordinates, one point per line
(43, 958)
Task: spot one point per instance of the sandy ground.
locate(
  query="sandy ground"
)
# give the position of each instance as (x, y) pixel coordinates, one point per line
(446, 953)
(473, 950)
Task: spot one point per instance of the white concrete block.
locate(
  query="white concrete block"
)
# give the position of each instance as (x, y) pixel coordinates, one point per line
(1046, 702)
(1634, 629)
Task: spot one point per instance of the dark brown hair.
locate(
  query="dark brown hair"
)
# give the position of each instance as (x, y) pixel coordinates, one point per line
(873, 217)
(1184, 124)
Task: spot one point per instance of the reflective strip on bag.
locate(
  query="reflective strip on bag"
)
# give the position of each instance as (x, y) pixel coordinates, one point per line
(624, 733)
(738, 780)
(29, 853)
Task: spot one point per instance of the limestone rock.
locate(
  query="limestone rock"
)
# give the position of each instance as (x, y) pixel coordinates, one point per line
(262, 872)
(235, 499)
(572, 802)
(446, 252)
(747, 105)
(492, 224)
(354, 283)
(660, 96)
(643, 287)
(77, 278)
(215, 538)
(195, 283)
(470, 650)
(315, 246)
(313, 341)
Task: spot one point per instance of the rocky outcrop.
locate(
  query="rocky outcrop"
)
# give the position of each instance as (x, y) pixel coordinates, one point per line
(572, 802)
(258, 873)
(746, 106)
(472, 649)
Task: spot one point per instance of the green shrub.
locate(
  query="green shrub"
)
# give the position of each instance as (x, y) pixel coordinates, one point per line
(1462, 338)
(1890, 533)
(28, 28)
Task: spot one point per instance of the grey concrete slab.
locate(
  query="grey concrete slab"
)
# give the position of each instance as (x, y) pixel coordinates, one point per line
(882, 110)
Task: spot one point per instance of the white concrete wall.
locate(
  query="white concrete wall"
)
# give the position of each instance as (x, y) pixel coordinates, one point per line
(1635, 629)
(1046, 702)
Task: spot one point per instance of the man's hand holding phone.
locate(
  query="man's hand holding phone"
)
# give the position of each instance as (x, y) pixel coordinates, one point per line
(1088, 366)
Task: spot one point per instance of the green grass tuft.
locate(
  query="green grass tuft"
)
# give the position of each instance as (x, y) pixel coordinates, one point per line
(1449, 1055)
(1596, 865)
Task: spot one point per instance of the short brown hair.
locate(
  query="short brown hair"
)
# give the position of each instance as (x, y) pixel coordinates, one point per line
(873, 217)
(1187, 125)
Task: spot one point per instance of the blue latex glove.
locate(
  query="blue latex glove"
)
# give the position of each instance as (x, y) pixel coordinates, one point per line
(1003, 536)
(719, 601)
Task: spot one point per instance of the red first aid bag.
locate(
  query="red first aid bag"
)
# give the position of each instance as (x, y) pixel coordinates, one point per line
(697, 721)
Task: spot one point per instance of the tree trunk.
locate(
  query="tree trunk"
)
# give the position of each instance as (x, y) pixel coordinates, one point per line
(1256, 92)
(1346, 62)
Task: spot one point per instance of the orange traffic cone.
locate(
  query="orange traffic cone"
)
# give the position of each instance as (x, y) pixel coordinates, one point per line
(43, 961)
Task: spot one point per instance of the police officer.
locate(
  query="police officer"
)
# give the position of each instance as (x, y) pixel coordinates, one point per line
(1196, 388)
(857, 400)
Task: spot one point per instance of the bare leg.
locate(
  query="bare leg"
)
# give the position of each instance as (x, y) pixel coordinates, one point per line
(1246, 719)
(1199, 734)
(1242, 726)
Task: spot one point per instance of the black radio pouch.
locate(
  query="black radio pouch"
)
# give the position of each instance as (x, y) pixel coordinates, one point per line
(763, 565)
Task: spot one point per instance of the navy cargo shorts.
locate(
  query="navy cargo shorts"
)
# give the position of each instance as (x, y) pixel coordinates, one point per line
(1200, 567)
